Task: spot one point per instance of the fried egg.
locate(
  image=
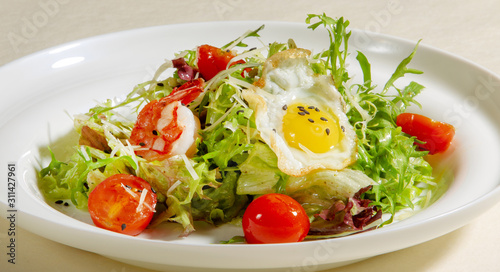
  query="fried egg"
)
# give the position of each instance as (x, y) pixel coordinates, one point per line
(300, 115)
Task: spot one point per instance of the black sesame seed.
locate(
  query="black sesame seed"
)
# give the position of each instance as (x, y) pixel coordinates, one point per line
(343, 128)
(311, 107)
(142, 144)
(155, 132)
(323, 119)
(128, 187)
(316, 109)
(66, 204)
(160, 84)
(310, 120)
(124, 226)
(306, 112)
(139, 191)
(327, 131)
(300, 108)
(301, 113)
(59, 202)
(285, 107)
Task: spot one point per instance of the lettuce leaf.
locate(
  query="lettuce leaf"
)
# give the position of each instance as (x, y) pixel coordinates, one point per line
(70, 180)
(385, 153)
(176, 187)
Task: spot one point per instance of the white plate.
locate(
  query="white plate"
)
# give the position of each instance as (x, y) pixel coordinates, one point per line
(38, 89)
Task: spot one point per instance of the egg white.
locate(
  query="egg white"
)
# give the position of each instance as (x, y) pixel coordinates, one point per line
(287, 78)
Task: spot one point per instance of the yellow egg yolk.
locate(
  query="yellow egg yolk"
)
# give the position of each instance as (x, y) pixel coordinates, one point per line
(313, 128)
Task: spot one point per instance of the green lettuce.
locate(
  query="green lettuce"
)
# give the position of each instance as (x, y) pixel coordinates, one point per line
(176, 185)
(385, 153)
(60, 180)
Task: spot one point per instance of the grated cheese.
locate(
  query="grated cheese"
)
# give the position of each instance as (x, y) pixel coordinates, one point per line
(135, 196)
(84, 153)
(172, 188)
(222, 118)
(189, 167)
(141, 200)
(240, 101)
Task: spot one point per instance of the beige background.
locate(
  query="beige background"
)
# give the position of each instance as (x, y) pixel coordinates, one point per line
(470, 29)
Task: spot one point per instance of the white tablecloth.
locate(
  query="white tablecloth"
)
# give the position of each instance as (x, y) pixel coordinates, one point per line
(470, 29)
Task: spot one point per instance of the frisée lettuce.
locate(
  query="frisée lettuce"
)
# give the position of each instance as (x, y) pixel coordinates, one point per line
(232, 164)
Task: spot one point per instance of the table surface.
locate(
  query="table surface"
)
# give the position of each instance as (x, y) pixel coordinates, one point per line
(470, 29)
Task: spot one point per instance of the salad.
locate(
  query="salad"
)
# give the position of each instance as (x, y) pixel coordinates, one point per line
(277, 139)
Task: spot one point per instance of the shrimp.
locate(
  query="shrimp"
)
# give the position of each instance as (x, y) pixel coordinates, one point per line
(166, 127)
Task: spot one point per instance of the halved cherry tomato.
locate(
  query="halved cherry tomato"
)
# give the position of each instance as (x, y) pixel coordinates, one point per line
(115, 204)
(436, 135)
(212, 60)
(275, 218)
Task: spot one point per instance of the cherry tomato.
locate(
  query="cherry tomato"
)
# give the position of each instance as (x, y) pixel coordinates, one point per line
(275, 218)
(212, 60)
(115, 204)
(436, 135)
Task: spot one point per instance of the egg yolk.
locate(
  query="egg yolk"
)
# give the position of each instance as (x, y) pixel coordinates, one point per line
(313, 128)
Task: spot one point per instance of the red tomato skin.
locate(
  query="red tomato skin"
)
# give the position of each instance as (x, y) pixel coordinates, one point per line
(111, 207)
(211, 60)
(436, 135)
(275, 218)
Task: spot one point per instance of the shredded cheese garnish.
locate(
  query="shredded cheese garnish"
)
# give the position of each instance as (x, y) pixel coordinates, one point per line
(172, 188)
(239, 101)
(256, 53)
(238, 82)
(141, 200)
(84, 153)
(131, 153)
(222, 118)
(189, 167)
(135, 196)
